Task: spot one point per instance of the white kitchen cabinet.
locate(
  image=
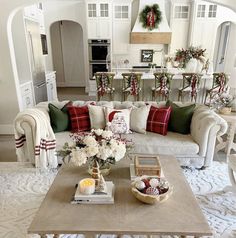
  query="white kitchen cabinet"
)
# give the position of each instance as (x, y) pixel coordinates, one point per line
(51, 86)
(121, 27)
(32, 12)
(35, 13)
(27, 95)
(99, 19)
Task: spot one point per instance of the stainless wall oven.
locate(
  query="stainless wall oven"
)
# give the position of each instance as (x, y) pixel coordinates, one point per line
(99, 56)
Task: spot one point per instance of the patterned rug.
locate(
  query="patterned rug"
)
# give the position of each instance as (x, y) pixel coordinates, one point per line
(22, 190)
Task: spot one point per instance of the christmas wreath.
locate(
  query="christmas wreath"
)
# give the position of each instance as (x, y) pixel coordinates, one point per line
(150, 17)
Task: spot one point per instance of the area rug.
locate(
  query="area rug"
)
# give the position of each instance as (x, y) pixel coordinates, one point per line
(22, 189)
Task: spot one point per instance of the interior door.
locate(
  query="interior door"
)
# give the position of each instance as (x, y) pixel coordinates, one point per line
(222, 46)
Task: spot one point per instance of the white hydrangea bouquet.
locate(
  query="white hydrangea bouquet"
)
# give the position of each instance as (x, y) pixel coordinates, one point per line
(100, 145)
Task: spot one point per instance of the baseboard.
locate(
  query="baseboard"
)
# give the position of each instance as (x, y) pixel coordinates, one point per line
(6, 129)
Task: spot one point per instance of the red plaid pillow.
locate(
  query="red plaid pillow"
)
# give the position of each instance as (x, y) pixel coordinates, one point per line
(158, 119)
(79, 118)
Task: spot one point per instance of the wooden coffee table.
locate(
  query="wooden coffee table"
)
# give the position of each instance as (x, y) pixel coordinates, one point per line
(179, 215)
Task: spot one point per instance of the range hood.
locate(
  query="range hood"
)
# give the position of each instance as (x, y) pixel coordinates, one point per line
(160, 35)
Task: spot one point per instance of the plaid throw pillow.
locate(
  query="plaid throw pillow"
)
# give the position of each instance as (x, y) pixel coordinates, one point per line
(158, 119)
(79, 117)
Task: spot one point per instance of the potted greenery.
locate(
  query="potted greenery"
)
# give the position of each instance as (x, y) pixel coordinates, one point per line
(189, 58)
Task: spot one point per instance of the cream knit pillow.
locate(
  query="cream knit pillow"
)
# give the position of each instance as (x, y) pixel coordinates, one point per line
(138, 119)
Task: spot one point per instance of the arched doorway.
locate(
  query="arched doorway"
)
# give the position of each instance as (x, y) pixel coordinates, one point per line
(68, 53)
(222, 39)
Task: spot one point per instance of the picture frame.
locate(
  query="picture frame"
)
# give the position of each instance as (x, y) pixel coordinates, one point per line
(147, 56)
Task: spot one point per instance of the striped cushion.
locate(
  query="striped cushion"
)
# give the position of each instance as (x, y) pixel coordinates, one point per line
(79, 118)
(158, 119)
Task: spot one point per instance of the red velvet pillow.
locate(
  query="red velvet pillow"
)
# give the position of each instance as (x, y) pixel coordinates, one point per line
(158, 119)
(79, 118)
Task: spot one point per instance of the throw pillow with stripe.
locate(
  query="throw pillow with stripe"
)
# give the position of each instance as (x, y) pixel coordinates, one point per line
(158, 119)
(79, 118)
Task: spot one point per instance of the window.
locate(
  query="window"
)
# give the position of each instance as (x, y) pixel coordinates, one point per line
(212, 11)
(181, 12)
(92, 10)
(104, 9)
(122, 12)
(201, 10)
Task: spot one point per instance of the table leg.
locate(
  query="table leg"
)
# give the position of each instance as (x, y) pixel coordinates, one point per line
(230, 138)
(221, 144)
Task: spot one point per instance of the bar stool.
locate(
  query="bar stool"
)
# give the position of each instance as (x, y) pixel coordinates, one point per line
(104, 81)
(190, 86)
(131, 85)
(162, 86)
(219, 86)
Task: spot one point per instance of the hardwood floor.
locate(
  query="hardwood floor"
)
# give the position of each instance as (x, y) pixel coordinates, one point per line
(73, 93)
(7, 148)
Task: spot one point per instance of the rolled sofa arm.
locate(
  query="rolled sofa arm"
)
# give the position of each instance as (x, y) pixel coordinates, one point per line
(206, 125)
(25, 127)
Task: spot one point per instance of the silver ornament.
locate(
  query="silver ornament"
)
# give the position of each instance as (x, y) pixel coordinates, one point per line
(140, 185)
(154, 182)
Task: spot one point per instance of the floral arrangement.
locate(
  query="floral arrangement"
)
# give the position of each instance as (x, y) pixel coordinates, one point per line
(224, 100)
(100, 145)
(183, 56)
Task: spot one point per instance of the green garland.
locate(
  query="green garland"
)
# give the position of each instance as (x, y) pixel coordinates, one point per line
(157, 16)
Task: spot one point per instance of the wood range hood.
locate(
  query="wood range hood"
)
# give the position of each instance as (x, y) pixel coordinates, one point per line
(160, 35)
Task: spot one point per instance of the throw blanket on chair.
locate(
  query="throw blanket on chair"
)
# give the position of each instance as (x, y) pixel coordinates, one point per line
(43, 138)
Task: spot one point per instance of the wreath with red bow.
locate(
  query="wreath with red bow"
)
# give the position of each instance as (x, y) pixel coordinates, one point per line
(150, 17)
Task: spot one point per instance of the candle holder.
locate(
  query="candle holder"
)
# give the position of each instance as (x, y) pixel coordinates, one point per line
(87, 186)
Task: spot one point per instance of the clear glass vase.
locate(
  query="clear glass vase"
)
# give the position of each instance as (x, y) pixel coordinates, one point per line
(104, 169)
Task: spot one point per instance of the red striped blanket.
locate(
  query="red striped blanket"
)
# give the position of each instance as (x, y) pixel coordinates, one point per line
(43, 138)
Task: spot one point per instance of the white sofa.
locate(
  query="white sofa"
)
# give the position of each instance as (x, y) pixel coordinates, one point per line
(195, 149)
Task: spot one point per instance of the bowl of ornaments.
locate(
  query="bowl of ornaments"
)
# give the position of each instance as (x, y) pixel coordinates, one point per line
(151, 190)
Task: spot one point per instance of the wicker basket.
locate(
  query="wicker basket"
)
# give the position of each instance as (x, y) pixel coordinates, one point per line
(151, 199)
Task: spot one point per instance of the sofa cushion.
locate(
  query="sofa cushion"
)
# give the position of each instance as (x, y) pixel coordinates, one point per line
(158, 119)
(118, 120)
(79, 117)
(173, 143)
(59, 118)
(138, 118)
(151, 143)
(180, 118)
(97, 117)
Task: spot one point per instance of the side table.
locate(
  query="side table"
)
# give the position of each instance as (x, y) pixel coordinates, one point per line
(229, 143)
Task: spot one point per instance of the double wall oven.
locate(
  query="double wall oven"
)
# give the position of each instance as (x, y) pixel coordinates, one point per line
(99, 56)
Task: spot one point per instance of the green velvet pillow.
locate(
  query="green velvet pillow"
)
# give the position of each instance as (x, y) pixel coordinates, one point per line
(59, 118)
(180, 117)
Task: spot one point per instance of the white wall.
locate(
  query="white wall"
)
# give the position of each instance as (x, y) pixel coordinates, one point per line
(204, 30)
(72, 11)
(230, 61)
(179, 27)
(134, 55)
(57, 57)
(68, 53)
(20, 47)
